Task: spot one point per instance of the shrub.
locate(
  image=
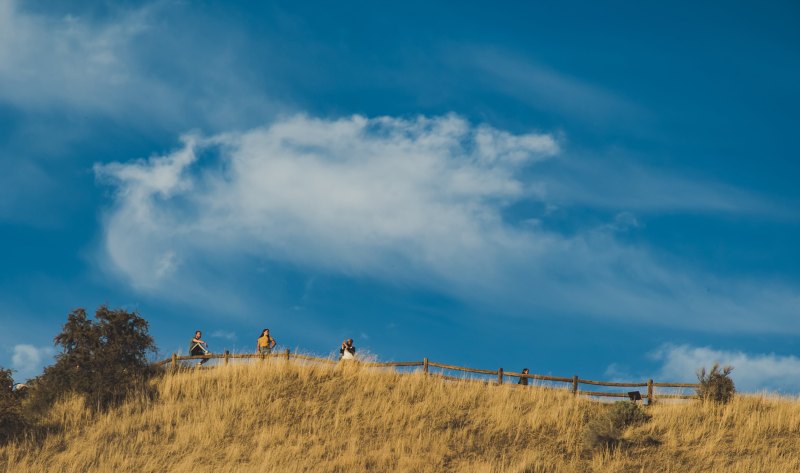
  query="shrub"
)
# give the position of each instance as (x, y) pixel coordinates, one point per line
(606, 431)
(12, 422)
(104, 359)
(626, 413)
(716, 385)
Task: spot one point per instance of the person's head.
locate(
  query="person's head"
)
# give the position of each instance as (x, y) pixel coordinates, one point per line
(265, 332)
(524, 370)
(349, 342)
(197, 334)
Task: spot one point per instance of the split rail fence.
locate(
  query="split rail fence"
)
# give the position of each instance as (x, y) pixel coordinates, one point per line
(501, 375)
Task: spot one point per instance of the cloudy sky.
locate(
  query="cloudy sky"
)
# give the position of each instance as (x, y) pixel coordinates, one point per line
(604, 191)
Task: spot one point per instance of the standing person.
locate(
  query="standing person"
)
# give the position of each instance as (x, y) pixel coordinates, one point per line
(265, 343)
(198, 347)
(523, 381)
(347, 351)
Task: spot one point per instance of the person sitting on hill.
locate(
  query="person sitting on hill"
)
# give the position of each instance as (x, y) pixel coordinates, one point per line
(265, 343)
(198, 347)
(522, 380)
(347, 351)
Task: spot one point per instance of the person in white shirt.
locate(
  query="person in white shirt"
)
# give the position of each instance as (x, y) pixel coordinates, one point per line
(347, 351)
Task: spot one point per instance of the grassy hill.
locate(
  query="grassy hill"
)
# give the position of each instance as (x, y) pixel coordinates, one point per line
(276, 416)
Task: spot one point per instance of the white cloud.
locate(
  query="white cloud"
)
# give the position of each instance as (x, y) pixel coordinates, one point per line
(67, 79)
(136, 65)
(419, 201)
(348, 195)
(28, 361)
(752, 372)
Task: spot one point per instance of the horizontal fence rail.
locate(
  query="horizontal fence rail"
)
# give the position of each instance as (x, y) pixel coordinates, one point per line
(426, 365)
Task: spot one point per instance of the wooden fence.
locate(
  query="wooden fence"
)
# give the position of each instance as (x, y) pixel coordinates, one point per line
(573, 382)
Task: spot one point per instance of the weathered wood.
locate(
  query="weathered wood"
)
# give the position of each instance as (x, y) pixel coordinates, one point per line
(461, 368)
(542, 377)
(609, 383)
(676, 385)
(456, 378)
(245, 356)
(602, 394)
(201, 357)
(298, 356)
(389, 364)
(427, 364)
(678, 396)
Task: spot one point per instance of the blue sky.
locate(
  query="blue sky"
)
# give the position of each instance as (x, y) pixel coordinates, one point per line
(609, 191)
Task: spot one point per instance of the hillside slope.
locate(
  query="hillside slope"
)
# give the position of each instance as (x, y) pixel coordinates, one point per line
(277, 416)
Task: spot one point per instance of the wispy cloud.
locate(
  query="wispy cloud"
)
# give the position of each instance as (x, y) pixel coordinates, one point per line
(752, 372)
(606, 181)
(130, 65)
(419, 201)
(541, 86)
(147, 68)
(28, 360)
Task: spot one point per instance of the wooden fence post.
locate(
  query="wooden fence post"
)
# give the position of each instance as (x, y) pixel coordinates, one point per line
(499, 375)
(575, 385)
(425, 365)
(227, 355)
(288, 351)
(650, 392)
(174, 360)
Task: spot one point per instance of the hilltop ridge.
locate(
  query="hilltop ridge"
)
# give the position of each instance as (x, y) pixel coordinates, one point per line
(284, 416)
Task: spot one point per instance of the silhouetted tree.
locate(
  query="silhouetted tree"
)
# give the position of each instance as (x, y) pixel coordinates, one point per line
(103, 359)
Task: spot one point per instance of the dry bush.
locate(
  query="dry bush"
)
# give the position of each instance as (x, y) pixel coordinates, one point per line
(606, 431)
(716, 385)
(280, 416)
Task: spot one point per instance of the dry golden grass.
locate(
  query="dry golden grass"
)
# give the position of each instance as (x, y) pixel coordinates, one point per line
(278, 416)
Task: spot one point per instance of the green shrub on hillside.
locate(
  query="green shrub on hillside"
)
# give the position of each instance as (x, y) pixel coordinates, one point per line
(716, 385)
(103, 359)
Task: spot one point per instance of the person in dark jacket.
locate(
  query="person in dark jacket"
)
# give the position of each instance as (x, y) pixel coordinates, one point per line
(347, 351)
(198, 347)
(522, 380)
